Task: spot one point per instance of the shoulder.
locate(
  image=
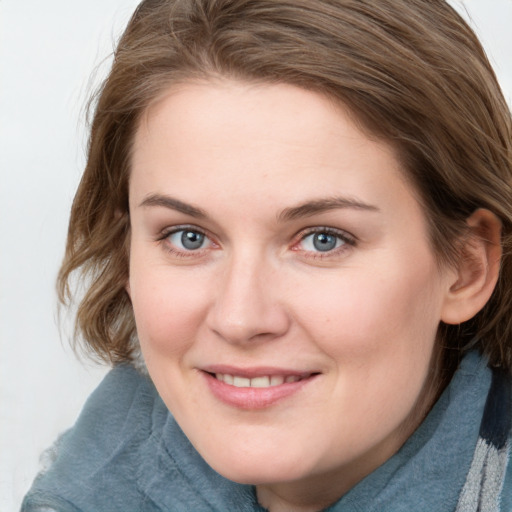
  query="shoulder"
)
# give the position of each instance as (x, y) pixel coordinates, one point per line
(118, 410)
(96, 457)
(506, 494)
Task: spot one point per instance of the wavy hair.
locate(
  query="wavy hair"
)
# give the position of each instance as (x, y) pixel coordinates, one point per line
(412, 72)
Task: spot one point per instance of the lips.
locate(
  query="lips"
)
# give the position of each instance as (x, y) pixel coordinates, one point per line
(256, 388)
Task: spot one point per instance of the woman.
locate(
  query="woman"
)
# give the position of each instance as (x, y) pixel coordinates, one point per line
(296, 218)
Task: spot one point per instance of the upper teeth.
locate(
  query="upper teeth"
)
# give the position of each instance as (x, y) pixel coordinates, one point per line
(256, 382)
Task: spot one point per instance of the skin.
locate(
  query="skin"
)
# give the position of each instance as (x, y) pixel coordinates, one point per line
(257, 292)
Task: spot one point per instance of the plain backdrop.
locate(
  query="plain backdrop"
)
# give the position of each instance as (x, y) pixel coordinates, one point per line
(52, 55)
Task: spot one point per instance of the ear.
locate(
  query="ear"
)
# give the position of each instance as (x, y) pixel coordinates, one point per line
(477, 271)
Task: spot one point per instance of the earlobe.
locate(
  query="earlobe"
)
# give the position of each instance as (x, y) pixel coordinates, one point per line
(478, 268)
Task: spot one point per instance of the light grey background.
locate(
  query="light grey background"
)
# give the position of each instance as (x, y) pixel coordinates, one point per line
(48, 51)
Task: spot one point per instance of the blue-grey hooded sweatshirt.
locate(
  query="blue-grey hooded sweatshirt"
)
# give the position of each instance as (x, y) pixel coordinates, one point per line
(126, 453)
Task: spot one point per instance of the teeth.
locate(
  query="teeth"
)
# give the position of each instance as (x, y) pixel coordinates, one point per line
(241, 382)
(256, 382)
(260, 382)
(276, 380)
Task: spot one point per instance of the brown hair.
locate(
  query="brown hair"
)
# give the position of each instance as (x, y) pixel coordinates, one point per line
(412, 72)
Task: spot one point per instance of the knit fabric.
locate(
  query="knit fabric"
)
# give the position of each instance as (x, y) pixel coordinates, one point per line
(484, 483)
(126, 453)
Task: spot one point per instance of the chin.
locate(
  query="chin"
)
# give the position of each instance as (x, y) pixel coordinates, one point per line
(259, 470)
(258, 476)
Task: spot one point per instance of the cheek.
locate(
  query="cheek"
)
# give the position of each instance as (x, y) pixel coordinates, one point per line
(168, 308)
(379, 332)
(366, 313)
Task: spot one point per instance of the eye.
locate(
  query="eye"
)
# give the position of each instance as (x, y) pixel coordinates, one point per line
(186, 239)
(324, 240)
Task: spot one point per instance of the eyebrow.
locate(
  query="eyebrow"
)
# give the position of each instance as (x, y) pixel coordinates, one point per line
(174, 204)
(302, 210)
(322, 205)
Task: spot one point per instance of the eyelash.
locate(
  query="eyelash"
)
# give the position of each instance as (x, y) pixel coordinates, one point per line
(164, 240)
(346, 239)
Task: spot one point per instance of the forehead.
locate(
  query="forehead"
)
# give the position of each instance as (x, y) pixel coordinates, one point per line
(238, 110)
(214, 143)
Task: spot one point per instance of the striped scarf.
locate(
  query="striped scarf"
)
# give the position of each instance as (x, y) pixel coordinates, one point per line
(484, 482)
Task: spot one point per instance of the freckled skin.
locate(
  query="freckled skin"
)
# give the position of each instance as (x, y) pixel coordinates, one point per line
(259, 293)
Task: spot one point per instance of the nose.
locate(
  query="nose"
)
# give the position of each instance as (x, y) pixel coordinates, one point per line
(247, 305)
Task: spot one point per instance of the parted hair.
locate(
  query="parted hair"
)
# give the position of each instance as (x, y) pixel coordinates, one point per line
(412, 73)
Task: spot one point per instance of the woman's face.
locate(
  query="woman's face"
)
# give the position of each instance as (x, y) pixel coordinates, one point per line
(285, 291)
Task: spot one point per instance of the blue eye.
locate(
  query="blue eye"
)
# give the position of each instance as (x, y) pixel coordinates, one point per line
(188, 239)
(322, 241)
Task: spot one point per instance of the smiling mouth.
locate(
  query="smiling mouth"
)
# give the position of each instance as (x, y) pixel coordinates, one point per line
(256, 389)
(265, 381)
